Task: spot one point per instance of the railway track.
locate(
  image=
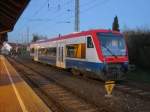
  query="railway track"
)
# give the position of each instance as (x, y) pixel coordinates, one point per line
(126, 87)
(134, 90)
(129, 88)
(56, 96)
(93, 90)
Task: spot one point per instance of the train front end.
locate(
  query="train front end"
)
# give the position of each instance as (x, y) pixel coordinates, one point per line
(113, 54)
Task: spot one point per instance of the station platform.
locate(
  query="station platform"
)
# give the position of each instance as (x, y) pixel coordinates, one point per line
(15, 94)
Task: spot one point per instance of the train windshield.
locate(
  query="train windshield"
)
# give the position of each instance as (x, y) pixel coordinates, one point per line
(112, 45)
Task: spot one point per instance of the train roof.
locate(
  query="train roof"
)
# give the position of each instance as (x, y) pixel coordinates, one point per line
(76, 34)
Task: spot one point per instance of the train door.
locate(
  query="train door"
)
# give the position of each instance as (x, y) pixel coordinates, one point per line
(36, 54)
(61, 55)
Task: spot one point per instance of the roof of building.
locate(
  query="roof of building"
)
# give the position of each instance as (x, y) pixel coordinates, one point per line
(10, 11)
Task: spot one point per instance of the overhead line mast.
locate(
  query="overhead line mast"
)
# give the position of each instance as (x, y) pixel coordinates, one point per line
(77, 15)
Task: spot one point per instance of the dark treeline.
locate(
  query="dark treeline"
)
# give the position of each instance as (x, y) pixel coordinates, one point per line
(38, 37)
(138, 43)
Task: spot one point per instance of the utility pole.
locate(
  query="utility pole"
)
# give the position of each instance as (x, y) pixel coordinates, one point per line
(27, 35)
(77, 15)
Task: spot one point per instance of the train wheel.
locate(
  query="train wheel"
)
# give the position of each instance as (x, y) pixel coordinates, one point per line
(75, 72)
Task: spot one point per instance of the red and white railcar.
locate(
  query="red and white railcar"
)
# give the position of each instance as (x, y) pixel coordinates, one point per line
(98, 53)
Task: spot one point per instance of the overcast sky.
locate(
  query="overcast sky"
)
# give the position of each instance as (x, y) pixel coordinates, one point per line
(51, 17)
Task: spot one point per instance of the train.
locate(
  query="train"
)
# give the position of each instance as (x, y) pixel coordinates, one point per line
(98, 53)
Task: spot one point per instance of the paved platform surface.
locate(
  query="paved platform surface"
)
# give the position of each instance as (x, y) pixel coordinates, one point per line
(15, 94)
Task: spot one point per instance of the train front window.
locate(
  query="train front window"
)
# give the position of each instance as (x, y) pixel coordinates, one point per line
(112, 45)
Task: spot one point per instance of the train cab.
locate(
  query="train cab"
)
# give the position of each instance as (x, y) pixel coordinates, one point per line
(113, 53)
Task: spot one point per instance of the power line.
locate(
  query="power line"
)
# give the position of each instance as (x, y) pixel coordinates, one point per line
(46, 19)
(87, 3)
(94, 5)
(42, 6)
(33, 15)
(51, 19)
(91, 6)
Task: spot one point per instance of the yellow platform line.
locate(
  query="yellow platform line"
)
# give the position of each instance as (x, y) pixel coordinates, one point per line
(15, 90)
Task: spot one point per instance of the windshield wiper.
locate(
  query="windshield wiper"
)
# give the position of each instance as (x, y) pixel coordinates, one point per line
(110, 51)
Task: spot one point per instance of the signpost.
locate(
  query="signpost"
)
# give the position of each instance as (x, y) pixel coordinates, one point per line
(109, 86)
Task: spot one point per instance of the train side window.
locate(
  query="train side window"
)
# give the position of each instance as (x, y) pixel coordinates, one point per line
(52, 51)
(89, 43)
(76, 51)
